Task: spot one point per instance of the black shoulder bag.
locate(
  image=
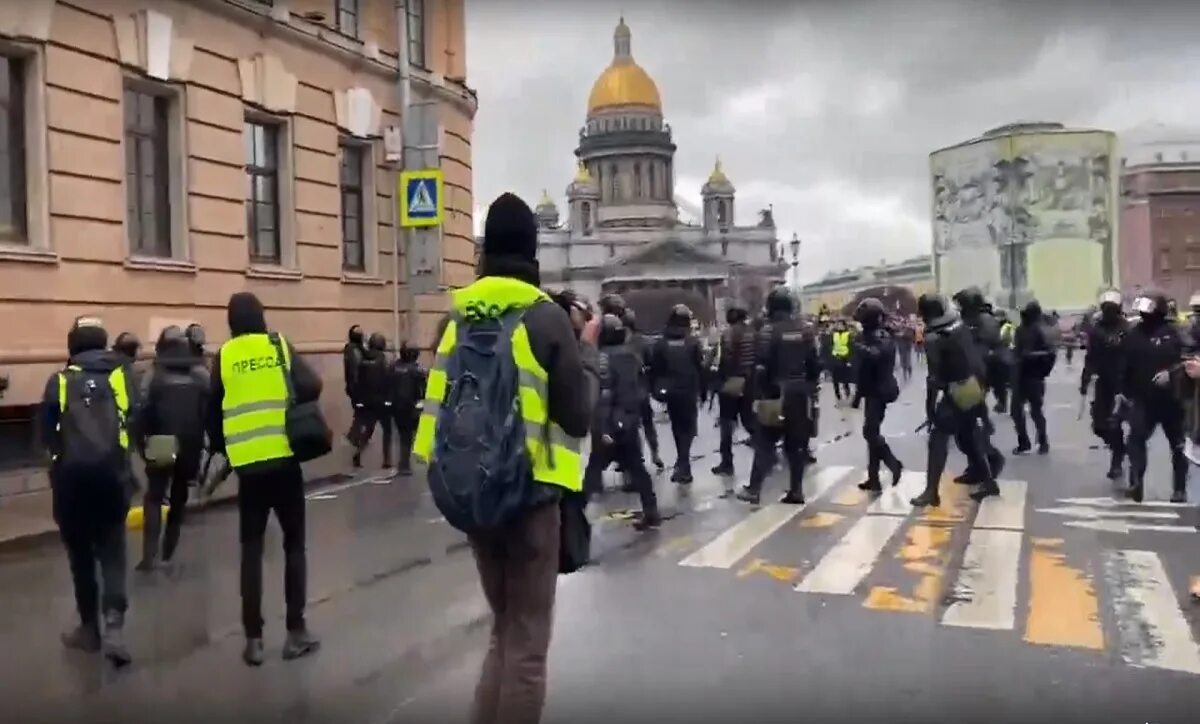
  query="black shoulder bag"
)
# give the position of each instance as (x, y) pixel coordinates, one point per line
(307, 432)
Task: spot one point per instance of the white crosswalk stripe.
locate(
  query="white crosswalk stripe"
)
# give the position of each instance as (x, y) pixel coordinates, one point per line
(984, 592)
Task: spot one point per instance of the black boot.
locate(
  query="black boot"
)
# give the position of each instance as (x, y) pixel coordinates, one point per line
(252, 654)
(113, 640)
(1179, 496)
(896, 469)
(658, 463)
(1116, 471)
(648, 521)
(927, 499)
(151, 530)
(723, 468)
(746, 494)
(986, 490)
(84, 637)
(794, 495)
(968, 477)
(1022, 448)
(356, 461)
(870, 485)
(1043, 446)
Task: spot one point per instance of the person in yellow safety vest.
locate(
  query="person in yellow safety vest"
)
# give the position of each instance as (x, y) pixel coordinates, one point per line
(841, 371)
(518, 568)
(247, 419)
(85, 422)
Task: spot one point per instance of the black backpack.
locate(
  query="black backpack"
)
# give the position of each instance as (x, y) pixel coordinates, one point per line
(90, 425)
(480, 473)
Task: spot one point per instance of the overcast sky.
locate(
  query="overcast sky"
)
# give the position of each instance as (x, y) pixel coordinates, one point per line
(828, 110)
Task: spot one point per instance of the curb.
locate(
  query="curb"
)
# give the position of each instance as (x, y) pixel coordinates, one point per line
(133, 521)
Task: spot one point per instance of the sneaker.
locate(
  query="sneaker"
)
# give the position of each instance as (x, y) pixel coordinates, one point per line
(748, 496)
(722, 469)
(253, 653)
(82, 638)
(298, 644)
(112, 642)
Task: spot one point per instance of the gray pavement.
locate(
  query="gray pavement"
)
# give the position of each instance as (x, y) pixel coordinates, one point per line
(998, 615)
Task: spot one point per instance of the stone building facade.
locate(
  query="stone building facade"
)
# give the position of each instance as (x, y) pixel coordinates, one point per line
(163, 155)
(622, 230)
(897, 285)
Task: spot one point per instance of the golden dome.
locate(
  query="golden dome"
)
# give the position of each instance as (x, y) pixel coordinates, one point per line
(623, 82)
(718, 174)
(582, 176)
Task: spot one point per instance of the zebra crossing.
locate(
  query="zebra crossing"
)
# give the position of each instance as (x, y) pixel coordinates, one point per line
(1050, 591)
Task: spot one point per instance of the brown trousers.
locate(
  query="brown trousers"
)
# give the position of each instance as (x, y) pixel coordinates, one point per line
(519, 573)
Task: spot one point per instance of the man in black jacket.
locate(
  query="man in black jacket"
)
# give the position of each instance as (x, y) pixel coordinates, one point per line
(976, 316)
(176, 405)
(677, 371)
(269, 485)
(1034, 357)
(1104, 362)
(787, 372)
(407, 381)
(90, 506)
(639, 345)
(1152, 356)
(955, 401)
(618, 415)
(735, 377)
(353, 354)
(876, 355)
(374, 399)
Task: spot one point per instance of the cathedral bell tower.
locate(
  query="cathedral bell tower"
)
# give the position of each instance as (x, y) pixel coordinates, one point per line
(717, 195)
(583, 198)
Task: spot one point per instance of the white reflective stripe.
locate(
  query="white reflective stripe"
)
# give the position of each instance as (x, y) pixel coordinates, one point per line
(264, 406)
(534, 432)
(248, 435)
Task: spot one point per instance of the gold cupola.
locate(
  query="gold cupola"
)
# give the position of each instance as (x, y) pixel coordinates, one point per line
(623, 84)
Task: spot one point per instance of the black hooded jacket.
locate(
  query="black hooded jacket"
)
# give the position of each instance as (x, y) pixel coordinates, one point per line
(677, 362)
(352, 358)
(1151, 346)
(1105, 347)
(1032, 347)
(952, 356)
(176, 399)
(373, 388)
(622, 391)
(876, 354)
(246, 316)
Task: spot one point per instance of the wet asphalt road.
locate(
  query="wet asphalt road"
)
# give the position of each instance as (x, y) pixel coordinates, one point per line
(1055, 622)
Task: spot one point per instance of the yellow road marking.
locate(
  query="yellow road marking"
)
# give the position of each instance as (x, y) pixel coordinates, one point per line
(925, 555)
(1063, 608)
(783, 574)
(821, 520)
(850, 497)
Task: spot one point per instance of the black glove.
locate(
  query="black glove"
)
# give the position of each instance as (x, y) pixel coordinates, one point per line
(856, 402)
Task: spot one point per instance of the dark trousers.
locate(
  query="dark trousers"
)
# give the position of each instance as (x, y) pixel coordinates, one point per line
(372, 415)
(280, 490)
(90, 545)
(878, 451)
(731, 410)
(1033, 393)
(1106, 422)
(626, 452)
(405, 431)
(795, 434)
(648, 428)
(971, 430)
(518, 571)
(841, 374)
(160, 483)
(1144, 416)
(906, 361)
(999, 385)
(682, 409)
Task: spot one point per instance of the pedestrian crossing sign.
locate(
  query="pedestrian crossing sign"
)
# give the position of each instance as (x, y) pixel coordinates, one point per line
(421, 204)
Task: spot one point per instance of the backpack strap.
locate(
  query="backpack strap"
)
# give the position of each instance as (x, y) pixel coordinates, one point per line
(281, 357)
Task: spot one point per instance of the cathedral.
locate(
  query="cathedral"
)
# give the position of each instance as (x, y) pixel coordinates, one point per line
(623, 231)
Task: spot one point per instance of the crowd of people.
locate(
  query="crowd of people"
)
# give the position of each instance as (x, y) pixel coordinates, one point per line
(520, 376)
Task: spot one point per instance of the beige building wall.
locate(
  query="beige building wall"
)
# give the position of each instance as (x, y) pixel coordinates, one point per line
(218, 62)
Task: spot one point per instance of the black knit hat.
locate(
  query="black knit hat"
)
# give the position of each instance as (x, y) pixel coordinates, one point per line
(245, 314)
(510, 229)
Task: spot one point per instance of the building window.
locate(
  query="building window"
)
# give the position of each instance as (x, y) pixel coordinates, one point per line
(351, 180)
(1164, 262)
(722, 212)
(14, 218)
(347, 17)
(147, 173)
(585, 210)
(612, 250)
(615, 192)
(262, 193)
(415, 28)
(1193, 260)
(637, 180)
(653, 182)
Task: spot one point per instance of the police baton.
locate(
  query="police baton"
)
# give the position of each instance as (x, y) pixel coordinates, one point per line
(922, 427)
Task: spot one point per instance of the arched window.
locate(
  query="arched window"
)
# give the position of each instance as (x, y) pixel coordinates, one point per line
(585, 210)
(615, 181)
(637, 180)
(653, 186)
(722, 212)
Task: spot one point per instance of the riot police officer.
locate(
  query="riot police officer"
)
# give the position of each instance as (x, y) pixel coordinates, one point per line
(1104, 361)
(1153, 352)
(985, 334)
(955, 400)
(617, 417)
(876, 355)
(637, 342)
(1035, 357)
(677, 371)
(787, 372)
(735, 370)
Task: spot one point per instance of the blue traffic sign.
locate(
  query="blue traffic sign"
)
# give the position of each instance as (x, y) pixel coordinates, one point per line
(421, 201)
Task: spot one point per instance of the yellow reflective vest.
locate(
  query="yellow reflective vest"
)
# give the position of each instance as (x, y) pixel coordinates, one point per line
(841, 344)
(116, 380)
(554, 454)
(1006, 333)
(254, 408)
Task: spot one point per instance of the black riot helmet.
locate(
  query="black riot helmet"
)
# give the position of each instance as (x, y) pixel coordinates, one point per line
(196, 338)
(780, 303)
(630, 320)
(1152, 305)
(1032, 313)
(377, 342)
(736, 314)
(681, 316)
(1110, 305)
(612, 331)
(612, 304)
(970, 301)
(869, 313)
(932, 309)
(128, 344)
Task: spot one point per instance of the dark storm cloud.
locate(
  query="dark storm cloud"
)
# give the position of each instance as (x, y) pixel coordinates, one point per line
(828, 110)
